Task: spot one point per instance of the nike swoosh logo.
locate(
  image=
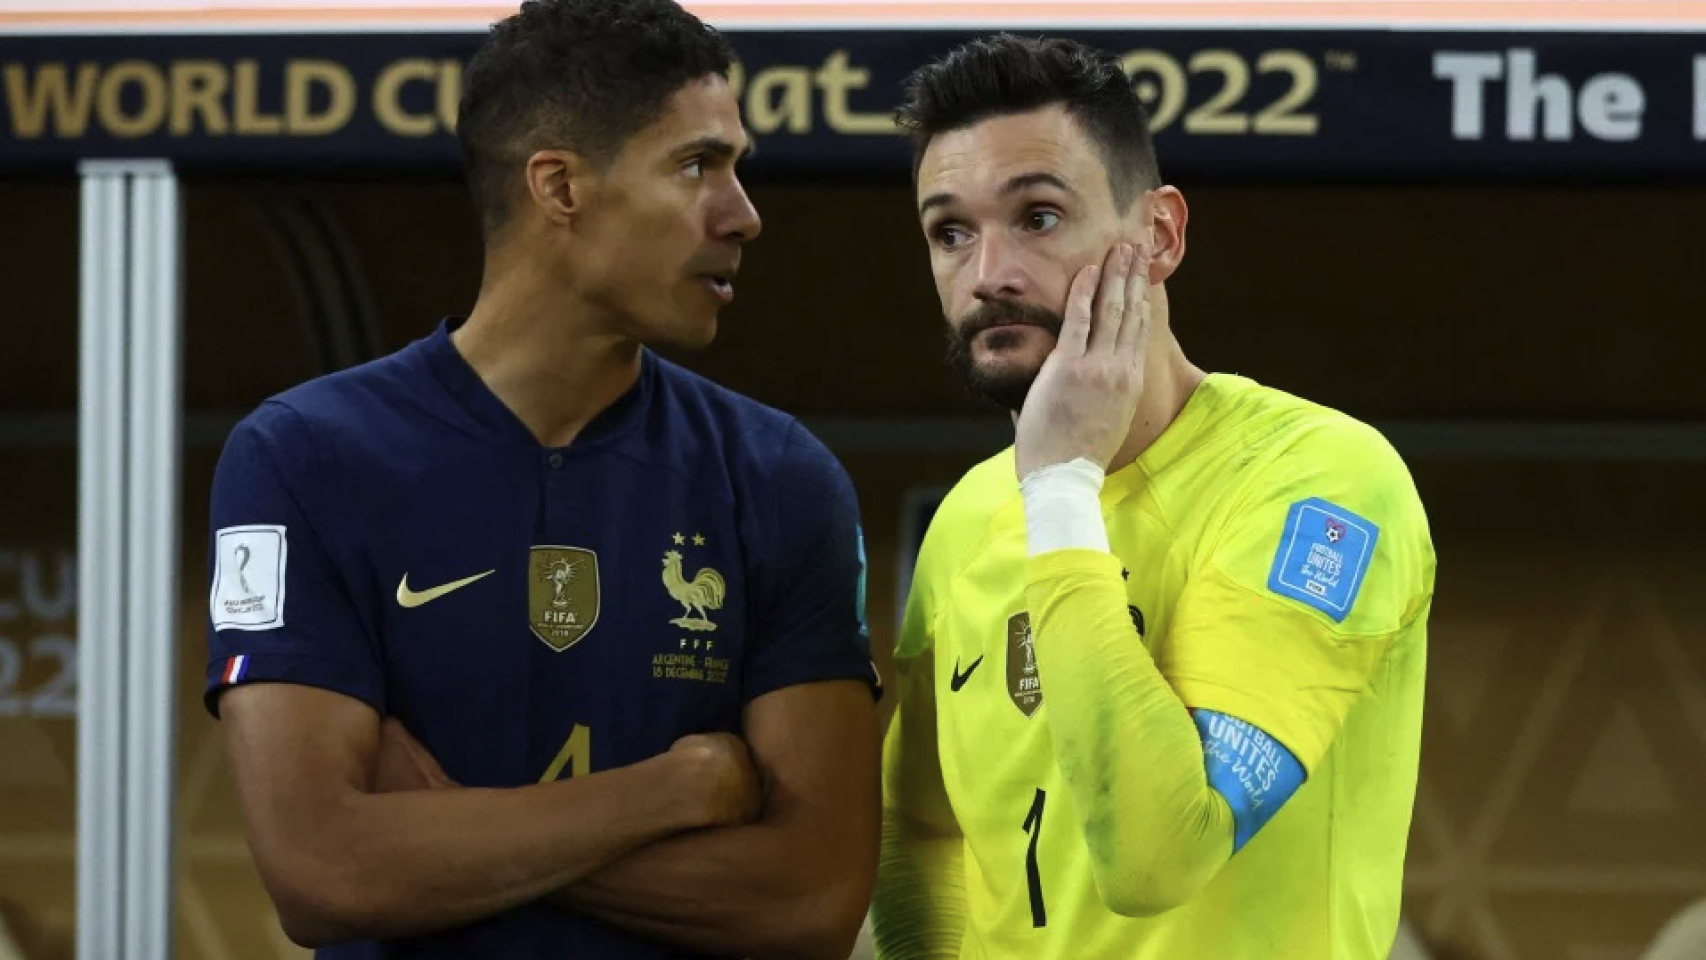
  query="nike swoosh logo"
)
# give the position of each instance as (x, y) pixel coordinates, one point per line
(961, 678)
(409, 599)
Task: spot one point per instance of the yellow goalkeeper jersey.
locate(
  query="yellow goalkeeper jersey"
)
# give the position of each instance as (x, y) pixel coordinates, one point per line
(1276, 563)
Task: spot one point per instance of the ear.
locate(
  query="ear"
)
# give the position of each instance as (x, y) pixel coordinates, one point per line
(557, 181)
(1169, 214)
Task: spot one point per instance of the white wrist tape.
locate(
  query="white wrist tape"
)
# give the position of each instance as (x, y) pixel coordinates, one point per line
(1063, 507)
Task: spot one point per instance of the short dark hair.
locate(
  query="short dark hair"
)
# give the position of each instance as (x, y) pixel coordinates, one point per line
(1005, 74)
(583, 75)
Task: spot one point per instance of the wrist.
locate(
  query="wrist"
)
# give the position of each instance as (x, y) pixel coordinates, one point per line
(1063, 507)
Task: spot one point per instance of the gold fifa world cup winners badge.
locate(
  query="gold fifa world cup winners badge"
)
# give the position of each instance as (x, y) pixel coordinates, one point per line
(1024, 684)
(562, 594)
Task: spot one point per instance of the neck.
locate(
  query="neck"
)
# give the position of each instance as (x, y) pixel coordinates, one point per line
(1168, 382)
(556, 362)
(1169, 379)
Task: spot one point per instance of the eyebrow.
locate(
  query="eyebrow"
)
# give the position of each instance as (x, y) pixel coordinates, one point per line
(1013, 185)
(718, 147)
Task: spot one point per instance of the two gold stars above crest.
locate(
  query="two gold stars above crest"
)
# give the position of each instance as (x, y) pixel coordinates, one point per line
(698, 540)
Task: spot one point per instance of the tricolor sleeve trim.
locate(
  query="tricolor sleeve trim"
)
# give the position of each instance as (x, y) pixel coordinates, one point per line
(337, 676)
(235, 669)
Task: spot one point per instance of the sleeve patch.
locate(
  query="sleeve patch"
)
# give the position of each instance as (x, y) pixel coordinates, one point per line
(1253, 771)
(248, 578)
(1323, 554)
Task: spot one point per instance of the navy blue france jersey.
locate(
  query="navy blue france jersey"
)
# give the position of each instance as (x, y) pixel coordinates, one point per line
(394, 533)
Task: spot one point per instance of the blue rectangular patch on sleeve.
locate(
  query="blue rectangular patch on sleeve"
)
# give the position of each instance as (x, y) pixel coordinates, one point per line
(1322, 557)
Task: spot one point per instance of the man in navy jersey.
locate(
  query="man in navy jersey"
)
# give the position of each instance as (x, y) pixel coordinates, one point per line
(620, 606)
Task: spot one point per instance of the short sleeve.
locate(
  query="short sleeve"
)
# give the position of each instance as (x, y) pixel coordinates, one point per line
(279, 607)
(810, 604)
(1321, 565)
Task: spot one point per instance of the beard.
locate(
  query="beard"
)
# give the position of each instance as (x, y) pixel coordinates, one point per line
(1007, 387)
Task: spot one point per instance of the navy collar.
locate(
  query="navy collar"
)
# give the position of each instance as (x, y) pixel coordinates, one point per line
(470, 393)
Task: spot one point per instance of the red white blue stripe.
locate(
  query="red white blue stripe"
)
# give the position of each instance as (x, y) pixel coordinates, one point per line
(236, 668)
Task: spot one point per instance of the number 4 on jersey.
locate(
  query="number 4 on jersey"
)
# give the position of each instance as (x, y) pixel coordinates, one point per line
(576, 755)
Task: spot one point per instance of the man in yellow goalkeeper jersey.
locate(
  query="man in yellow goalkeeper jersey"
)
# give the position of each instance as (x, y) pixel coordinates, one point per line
(1160, 679)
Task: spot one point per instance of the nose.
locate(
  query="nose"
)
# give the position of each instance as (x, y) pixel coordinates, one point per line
(738, 219)
(998, 273)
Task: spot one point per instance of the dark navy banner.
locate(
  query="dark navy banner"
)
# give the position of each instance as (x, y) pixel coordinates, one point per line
(1265, 105)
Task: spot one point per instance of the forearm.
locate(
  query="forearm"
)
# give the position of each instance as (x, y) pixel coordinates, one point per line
(399, 864)
(758, 891)
(794, 883)
(1127, 747)
(919, 910)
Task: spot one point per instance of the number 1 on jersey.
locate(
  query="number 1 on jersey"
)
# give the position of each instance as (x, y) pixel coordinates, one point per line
(576, 755)
(1033, 877)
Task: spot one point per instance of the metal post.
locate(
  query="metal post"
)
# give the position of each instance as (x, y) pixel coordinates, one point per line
(100, 568)
(128, 522)
(151, 669)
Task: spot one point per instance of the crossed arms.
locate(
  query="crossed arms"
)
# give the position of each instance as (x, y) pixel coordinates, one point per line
(761, 846)
(673, 847)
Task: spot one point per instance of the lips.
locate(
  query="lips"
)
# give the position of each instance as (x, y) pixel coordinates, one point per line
(999, 331)
(721, 285)
(715, 271)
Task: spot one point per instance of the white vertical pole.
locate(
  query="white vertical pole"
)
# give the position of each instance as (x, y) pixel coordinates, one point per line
(151, 663)
(129, 550)
(100, 567)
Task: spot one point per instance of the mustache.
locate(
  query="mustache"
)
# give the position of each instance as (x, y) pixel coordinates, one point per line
(1006, 388)
(1000, 313)
(719, 263)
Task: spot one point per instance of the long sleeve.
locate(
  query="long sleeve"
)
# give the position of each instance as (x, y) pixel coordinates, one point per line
(1320, 563)
(1128, 748)
(918, 911)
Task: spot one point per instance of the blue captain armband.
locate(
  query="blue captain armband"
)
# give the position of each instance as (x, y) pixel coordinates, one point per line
(1253, 771)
